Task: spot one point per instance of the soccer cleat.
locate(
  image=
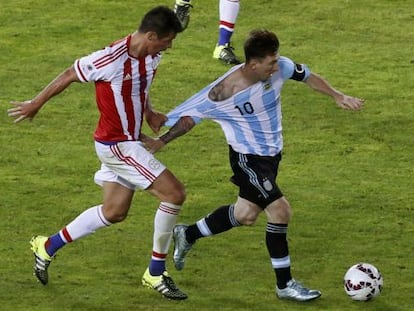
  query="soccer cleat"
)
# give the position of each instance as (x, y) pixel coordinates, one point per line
(296, 291)
(182, 11)
(42, 258)
(225, 53)
(164, 284)
(181, 246)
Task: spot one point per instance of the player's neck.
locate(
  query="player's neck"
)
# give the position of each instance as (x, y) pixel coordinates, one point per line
(137, 47)
(249, 75)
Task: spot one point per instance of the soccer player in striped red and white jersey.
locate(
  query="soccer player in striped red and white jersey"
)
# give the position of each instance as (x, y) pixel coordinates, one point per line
(123, 73)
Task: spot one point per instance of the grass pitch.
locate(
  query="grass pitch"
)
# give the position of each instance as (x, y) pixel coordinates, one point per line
(348, 176)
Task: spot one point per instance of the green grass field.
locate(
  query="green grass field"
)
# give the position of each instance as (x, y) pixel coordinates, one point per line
(348, 175)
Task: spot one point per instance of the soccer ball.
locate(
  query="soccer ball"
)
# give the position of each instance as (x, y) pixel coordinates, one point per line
(363, 282)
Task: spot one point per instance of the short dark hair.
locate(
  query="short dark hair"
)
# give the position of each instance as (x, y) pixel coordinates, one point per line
(260, 43)
(162, 20)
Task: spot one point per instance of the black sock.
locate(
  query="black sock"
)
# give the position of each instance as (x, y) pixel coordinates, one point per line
(222, 219)
(277, 247)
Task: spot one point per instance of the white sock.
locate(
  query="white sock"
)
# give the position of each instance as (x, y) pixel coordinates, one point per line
(229, 9)
(164, 222)
(87, 222)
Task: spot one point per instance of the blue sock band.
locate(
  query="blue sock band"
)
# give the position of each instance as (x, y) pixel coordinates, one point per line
(156, 267)
(224, 36)
(54, 243)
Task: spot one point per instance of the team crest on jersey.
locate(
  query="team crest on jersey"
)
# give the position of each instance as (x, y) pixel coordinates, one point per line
(267, 185)
(154, 164)
(87, 68)
(267, 85)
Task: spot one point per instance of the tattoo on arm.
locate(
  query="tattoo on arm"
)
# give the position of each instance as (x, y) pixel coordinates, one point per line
(184, 125)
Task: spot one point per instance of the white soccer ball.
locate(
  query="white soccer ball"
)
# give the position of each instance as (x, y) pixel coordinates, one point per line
(363, 282)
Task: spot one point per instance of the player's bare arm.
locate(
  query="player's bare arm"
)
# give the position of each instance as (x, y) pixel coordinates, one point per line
(183, 125)
(319, 84)
(29, 108)
(154, 118)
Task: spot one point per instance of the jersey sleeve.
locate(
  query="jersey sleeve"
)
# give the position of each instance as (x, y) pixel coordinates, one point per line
(197, 107)
(292, 70)
(174, 115)
(93, 68)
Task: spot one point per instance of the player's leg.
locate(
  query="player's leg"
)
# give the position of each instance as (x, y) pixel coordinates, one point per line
(117, 200)
(220, 220)
(116, 203)
(134, 165)
(228, 11)
(171, 193)
(224, 218)
(278, 215)
(243, 212)
(182, 10)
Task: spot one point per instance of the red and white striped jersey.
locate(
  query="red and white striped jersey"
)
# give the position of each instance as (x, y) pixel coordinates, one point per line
(122, 84)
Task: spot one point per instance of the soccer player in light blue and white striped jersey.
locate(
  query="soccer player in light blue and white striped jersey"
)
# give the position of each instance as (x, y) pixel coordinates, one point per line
(246, 102)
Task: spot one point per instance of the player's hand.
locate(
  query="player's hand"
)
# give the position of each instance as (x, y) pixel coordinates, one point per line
(155, 120)
(349, 102)
(22, 110)
(152, 144)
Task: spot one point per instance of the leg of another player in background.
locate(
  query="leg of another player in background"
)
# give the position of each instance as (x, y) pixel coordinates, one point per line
(182, 10)
(229, 10)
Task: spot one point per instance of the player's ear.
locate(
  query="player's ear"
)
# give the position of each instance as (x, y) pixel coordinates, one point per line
(253, 64)
(152, 35)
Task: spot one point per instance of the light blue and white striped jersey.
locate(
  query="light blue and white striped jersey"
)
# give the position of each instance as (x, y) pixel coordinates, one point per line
(250, 119)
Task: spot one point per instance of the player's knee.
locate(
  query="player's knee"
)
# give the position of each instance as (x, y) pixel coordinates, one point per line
(285, 211)
(118, 218)
(247, 221)
(247, 218)
(246, 212)
(279, 211)
(286, 215)
(168, 189)
(114, 215)
(178, 195)
(179, 198)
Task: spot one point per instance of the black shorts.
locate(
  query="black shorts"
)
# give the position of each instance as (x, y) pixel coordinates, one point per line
(256, 177)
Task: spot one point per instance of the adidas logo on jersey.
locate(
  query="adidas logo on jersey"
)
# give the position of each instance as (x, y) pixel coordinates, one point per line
(127, 77)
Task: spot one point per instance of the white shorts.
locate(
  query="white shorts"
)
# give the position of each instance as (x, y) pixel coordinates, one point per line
(127, 163)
